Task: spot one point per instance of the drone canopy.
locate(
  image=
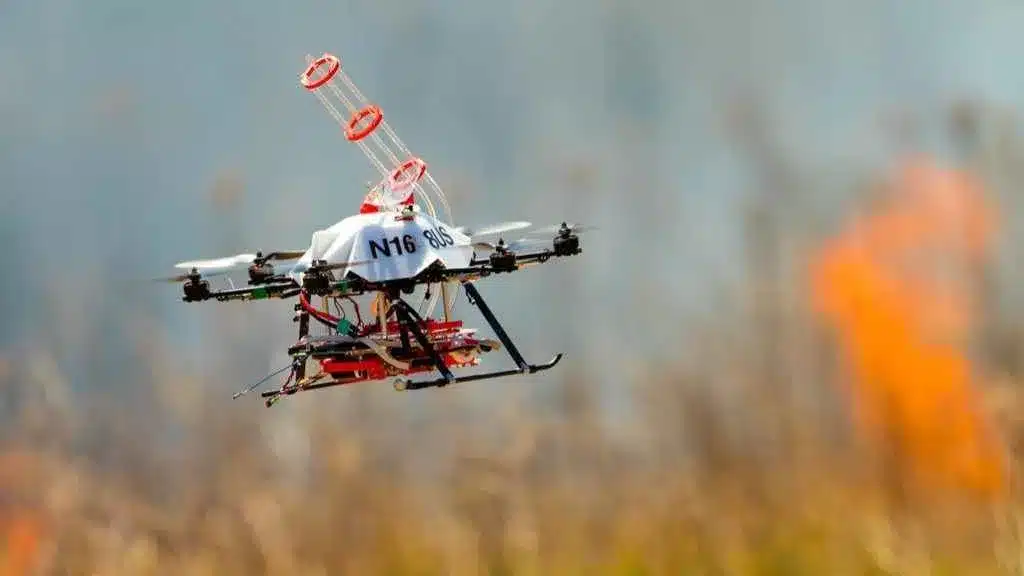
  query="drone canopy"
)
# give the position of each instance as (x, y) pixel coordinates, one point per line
(382, 247)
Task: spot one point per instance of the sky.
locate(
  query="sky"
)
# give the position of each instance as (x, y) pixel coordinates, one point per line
(119, 118)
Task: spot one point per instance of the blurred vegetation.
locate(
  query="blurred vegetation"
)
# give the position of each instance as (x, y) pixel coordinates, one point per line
(739, 456)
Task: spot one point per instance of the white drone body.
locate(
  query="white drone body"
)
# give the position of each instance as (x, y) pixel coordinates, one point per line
(378, 247)
(391, 245)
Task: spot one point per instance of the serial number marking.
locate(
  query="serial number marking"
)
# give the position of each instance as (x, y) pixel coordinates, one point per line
(402, 245)
(438, 237)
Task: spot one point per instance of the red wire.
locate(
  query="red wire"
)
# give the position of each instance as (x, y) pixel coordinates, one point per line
(304, 301)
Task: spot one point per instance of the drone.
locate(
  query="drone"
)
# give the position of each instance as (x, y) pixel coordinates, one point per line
(399, 242)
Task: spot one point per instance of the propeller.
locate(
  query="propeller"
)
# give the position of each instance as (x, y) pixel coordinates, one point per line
(182, 277)
(192, 273)
(491, 229)
(322, 266)
(340, 265)
(217, 264)
(563, 230)
(222, 266)
(229, 262)
(280, 255)
(514, 246)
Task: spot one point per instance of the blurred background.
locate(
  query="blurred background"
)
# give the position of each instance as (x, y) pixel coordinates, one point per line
(793, 347)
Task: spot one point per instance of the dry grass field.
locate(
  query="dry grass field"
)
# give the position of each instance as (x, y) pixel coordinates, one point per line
(863, 421)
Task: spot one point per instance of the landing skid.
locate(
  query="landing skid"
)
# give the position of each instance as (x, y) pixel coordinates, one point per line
(523, 367)
(403, 384)
(408, 319)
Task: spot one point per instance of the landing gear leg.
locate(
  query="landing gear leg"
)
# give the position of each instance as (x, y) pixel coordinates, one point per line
(477, 300)
(303, 318)
(407, 318)
(523, 366)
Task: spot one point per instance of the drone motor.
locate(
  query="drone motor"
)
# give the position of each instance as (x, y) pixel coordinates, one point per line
(567, 245)
(196, 289)
(260, 271)
(318, 281)
(502, 259)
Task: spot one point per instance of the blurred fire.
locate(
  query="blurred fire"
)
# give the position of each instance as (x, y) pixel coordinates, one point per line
(894, 286)
(21, 528)
(22, 544)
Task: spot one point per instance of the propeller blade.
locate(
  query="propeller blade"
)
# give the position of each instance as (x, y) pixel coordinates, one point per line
(515, 246)
(554, 230)
(526, 244)
(225, 263)
(349, 264)
(183, 277)
(303, 267)
(492, 229)
(285, 255)
(172, 279)
(229, 262)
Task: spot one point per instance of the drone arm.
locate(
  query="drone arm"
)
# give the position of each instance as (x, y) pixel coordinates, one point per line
(535, 257)
(261, 292)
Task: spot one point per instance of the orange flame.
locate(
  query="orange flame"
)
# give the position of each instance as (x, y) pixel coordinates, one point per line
(22, 546)
(20, 527)
(902, 320)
